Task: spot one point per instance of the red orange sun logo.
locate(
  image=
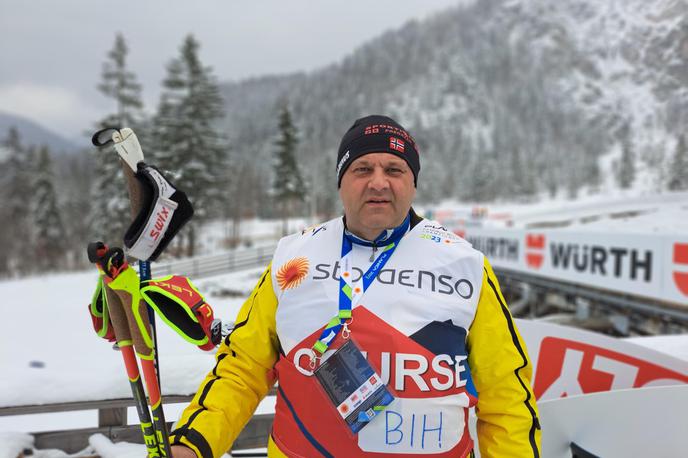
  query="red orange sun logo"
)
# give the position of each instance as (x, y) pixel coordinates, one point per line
(292, 273)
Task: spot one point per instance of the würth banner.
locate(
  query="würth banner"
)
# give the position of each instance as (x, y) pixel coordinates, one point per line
(653, 266)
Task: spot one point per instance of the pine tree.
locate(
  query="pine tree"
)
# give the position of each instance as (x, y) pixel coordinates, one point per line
(119, 84)
(110, 212)
(591, 170)
(626, 168)
(16, 191)
(678, 174)
(168, 124)
(10, 145)
(76, 200)
(573, 182)
(521, 177)
(13, 140)
(551, 182)
(479, 186)
(50, 240)
(288, 185)
(530, 177)
(185, 136)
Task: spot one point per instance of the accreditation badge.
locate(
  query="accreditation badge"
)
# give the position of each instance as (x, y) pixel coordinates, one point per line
(353, 386)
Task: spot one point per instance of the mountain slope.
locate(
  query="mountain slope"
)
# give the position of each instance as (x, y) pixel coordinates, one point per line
(508, 98)
(32, 133)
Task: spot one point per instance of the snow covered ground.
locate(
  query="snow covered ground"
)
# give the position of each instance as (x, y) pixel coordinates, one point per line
(51, 354)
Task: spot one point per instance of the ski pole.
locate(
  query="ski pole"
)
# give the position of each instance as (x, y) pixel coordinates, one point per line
(125, 284)
(128, 148)
(113, 308)
(174, 210)
(150, 438)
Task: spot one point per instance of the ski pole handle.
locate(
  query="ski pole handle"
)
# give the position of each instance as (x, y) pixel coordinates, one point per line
(129, 150)
(140, 316)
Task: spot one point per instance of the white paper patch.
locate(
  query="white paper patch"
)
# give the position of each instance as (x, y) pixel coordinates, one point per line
(419, 426)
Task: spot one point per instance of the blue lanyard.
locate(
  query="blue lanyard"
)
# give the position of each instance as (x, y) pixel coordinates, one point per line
(350, 292)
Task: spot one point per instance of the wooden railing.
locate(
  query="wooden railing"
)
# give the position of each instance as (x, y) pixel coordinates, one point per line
(112, 423)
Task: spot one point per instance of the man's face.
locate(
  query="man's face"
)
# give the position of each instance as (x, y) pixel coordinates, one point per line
(376, 190)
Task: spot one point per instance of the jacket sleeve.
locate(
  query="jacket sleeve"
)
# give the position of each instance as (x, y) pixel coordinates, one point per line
(508, 424)
(241, 378)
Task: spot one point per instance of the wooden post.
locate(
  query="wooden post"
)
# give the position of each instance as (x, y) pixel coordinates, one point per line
(112, 416)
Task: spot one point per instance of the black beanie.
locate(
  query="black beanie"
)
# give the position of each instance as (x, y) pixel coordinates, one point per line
(377, 134)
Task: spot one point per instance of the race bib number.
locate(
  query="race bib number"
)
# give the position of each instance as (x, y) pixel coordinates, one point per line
(416, 426)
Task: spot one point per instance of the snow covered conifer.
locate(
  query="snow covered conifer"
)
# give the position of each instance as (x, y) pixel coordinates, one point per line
(593, 175)
(16, 191)
(119, 84)
(625, 174)
(288, 185)
(521, 176)
(168, 124)
(110, 212)
(678, 174)
(50, 233)
(187, 141)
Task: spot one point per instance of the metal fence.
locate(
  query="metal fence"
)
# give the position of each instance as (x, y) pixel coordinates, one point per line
(207, 266)
(627, 303)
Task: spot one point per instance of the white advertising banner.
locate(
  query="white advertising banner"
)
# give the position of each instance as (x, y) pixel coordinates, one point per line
(568, 361)
(624, 423)
(604, 393)
(640, 422)
(653, 266)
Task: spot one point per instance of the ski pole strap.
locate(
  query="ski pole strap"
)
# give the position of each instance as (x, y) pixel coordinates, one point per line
(182, 307)
(124, 140)
(164, 211)
(109, 261)
(104, 137)
(100, 315)
(103, 258)
(350, 291)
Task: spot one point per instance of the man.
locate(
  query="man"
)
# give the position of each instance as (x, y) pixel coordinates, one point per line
(418, 302)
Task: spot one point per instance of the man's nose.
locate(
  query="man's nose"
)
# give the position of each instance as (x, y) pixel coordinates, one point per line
(378, 180)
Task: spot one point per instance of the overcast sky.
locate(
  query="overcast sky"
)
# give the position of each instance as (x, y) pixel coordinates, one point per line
(52, 51)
